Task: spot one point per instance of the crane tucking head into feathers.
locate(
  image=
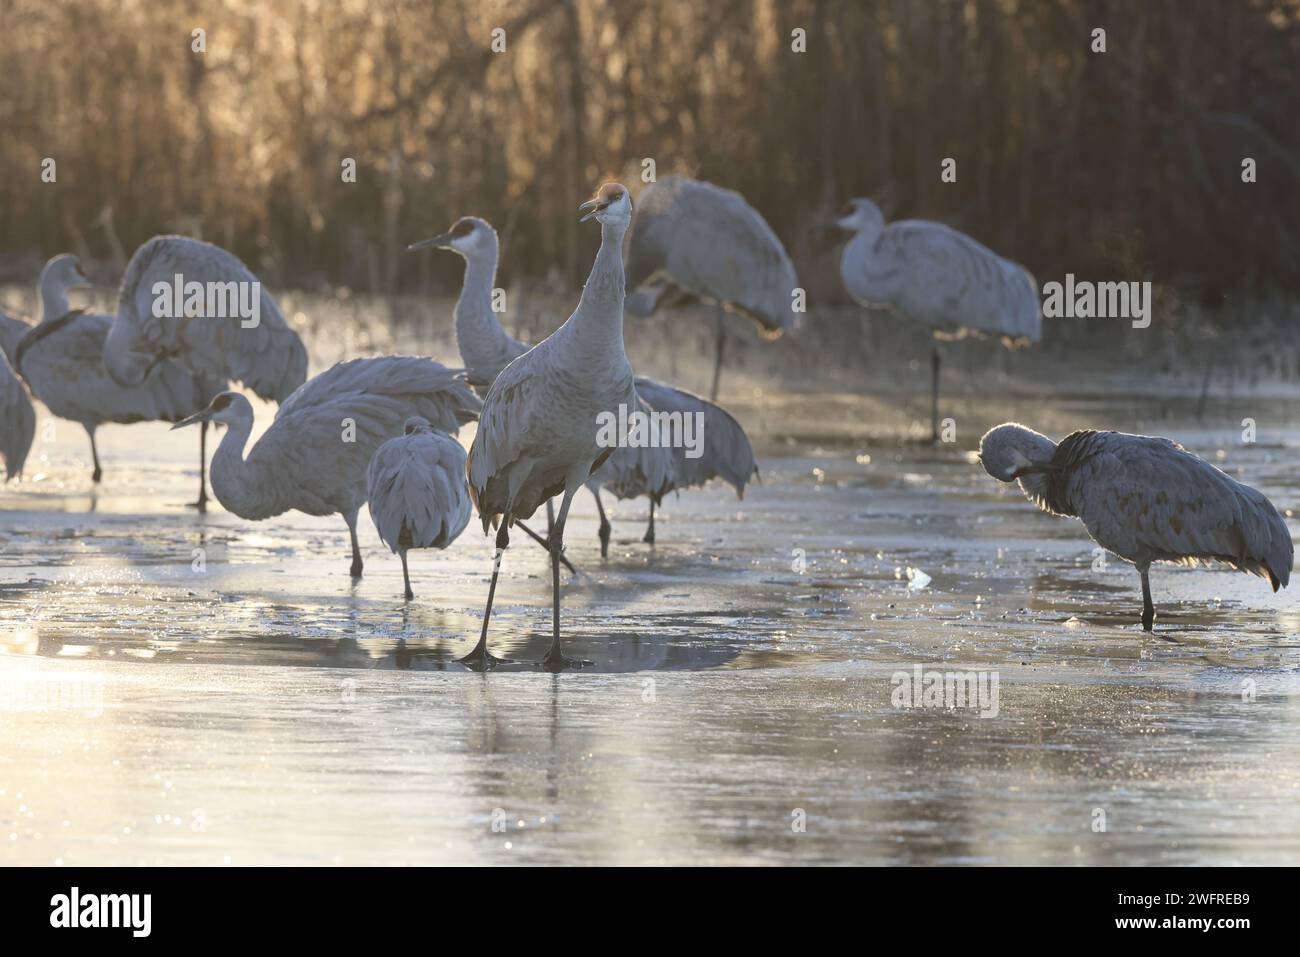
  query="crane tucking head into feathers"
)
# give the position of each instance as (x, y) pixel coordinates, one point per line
(1011, 452)
(860, 215)
(417, 423)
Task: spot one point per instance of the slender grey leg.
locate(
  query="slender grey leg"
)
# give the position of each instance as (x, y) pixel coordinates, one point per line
(650, 529)
(202, 503)
(98, 473)
(406, 577)
(719, 346)
(1148, 609)
(351, 519)
(555, 659)
(545, 544)
(934, 393)
(480, 659)
(604, 525)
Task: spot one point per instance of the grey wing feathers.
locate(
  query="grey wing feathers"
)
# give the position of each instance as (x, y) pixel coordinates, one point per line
(1149, 499)
(416, 485)
(439, 394)
(17, 421)
(934, 274)
(269, 358)
(713, 244)
(727, 453)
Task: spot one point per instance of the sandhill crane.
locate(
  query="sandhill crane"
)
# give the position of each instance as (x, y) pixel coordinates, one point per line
(1144, 499)
(17, 419)
(61, 359)
(315, 455)
(631, 472)
(417, 492)
(268, 357)
(538, 431)
(725, 453)
(710, 243)
(930, 273)
(486, 348)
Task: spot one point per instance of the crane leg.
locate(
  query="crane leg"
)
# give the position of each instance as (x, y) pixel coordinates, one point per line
(351, 519)
(934, 393)
(98, 473)
(202, 503)
(719, 346)
(545, 543)
(650, 529)
(555, 659)
(406, 577)
(480, 659)
(1148, 609)
(605, 529)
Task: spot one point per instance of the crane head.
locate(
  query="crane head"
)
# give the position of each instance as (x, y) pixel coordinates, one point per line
(227, 407)
(859, 216)
(612, 204)
(1010, 452)
(468, 235)
(417, 423)
(64, 272)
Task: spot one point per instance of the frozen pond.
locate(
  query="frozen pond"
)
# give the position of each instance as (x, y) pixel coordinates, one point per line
(186, 689)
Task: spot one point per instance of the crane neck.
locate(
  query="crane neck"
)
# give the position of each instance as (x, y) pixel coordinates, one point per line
(54, 299)
(230, 473)
(479, 334)
(599, 316)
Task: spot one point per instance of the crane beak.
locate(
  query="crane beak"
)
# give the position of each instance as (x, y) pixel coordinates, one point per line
(439, 241)
(201, 416)
(591, 207)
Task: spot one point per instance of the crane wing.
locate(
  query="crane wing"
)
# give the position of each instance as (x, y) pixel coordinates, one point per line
(1149, 498)
(727, 453)
(714, 245)
(933, 274)
(17, 421)
(416, 485)
(269, 359)
(425, 387)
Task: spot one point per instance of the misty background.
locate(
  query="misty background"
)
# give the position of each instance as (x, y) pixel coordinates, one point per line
(1124, 165)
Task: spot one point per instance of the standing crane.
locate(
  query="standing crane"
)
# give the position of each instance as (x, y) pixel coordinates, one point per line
(17, 417)
(486, 348)
(538, 433)
(1145, 499)
(930, 273)
(61, 359)
(417, 492)
(267, 358)
(316, 454)
(709, 243)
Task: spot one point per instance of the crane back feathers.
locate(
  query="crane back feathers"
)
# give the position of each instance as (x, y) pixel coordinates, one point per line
(1148, 499)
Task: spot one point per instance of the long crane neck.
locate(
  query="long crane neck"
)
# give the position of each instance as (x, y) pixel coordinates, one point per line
(232, 477)
(598, 320)
(54, 299)
(479, 335)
